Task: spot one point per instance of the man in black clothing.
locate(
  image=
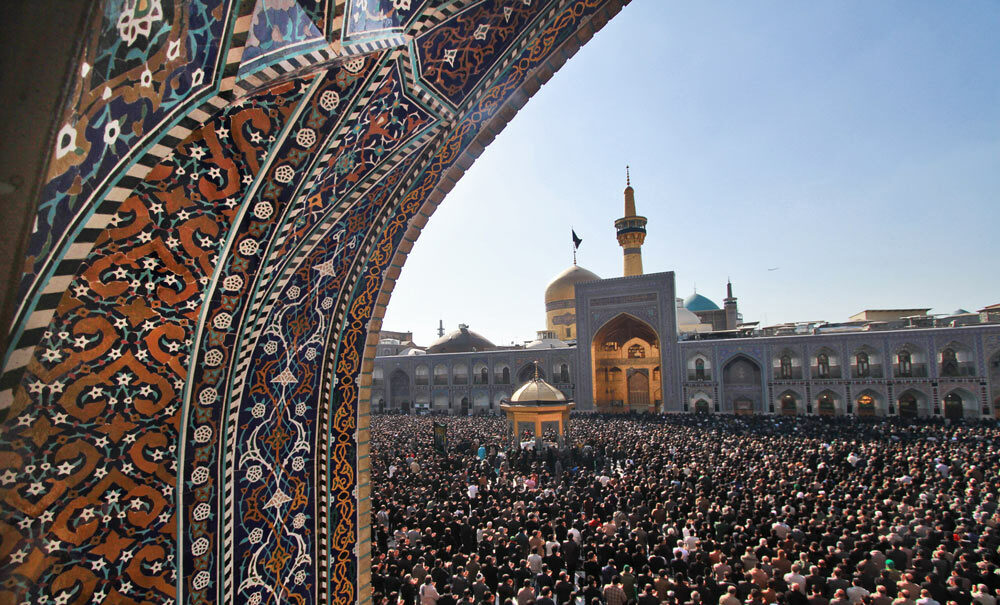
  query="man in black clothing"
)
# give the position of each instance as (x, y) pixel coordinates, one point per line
(570, 551)
(563, 589)
(795, 596)
(678, 566)
(546, 597)
(647, 597)
(506, 590)
(591, 568)
(593, 591)
(447, 597)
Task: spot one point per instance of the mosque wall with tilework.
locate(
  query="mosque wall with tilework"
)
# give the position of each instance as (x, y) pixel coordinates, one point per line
(232, 192)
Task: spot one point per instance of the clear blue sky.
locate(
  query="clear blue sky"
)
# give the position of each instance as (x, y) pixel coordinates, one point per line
(853, 144)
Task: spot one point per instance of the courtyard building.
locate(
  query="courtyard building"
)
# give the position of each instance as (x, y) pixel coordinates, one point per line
(629, 344)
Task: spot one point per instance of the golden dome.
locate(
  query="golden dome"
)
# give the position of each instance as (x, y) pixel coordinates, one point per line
(537, 392)
(563, 286)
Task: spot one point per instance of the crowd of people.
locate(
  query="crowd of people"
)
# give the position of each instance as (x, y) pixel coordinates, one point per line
(687, 510)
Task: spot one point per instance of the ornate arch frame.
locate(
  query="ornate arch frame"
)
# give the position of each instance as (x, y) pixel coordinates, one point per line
(238, 245)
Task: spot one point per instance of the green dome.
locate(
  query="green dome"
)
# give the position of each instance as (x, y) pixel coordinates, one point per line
(697, 302)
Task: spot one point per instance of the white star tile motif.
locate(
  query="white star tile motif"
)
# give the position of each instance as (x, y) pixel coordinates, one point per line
(278, 499)
(285, 377)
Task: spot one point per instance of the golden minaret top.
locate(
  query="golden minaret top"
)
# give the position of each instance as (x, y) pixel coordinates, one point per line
(631, 230)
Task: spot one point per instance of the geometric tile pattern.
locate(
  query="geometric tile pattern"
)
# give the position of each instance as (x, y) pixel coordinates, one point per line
(98, 424)
(187, 405)
(147, 66)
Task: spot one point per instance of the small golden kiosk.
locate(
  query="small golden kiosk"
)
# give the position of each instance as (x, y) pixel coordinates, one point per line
(537, 404)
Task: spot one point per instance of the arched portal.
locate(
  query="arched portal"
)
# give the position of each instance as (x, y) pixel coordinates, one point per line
(741, 383)
(869, 403)
(699, 403)
(626, 359)
(912, 403)
(959, 404)
(789, 403)
(399, 391)
(222, 220)
(828, 403)
(952, 406)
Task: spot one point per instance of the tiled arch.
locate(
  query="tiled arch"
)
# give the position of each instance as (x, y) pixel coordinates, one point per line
(237, 272)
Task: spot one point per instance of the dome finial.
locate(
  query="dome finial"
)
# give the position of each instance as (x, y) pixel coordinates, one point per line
(628, 178)
(536, 369)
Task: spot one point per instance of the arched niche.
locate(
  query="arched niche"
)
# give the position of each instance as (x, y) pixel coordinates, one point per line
(700, 403)
(625, 354)
(829, 403)
(913, 403)
(958, 404)
(870, 403)
(399, 391)
(790, 403)
(699, 366)
(742, 385)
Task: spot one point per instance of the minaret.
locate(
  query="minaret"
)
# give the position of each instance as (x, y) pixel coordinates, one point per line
(729, 304)
(631, 231)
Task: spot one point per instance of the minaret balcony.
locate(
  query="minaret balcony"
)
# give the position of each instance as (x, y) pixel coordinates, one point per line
(631, 224)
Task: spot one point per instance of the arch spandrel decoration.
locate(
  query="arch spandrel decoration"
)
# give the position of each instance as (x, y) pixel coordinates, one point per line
(202, 380)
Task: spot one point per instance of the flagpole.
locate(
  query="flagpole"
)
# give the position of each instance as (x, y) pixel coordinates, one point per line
(573, 231)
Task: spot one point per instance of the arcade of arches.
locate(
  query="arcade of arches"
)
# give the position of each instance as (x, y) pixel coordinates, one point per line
(626, 354)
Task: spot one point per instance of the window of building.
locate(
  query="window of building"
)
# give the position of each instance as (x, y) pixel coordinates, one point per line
(949, 362)
(564, 373)
(699, 369)
(786, 366)
(862, 362)
(905, 362)
(823, 365)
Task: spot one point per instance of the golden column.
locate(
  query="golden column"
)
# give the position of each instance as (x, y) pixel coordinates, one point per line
(631, 231)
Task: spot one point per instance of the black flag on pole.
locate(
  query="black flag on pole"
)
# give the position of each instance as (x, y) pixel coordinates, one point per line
(576, 240)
